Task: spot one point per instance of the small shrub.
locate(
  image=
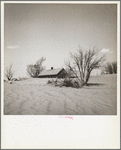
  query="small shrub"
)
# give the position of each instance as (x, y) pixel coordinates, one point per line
(48, 82)
(67, 82)
(76, 84)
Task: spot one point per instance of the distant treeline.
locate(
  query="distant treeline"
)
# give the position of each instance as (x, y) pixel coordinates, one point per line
(111, 68)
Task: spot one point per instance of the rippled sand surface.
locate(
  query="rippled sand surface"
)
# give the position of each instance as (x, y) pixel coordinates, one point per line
(35, 97)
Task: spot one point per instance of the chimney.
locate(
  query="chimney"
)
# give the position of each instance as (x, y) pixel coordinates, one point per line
(51, 68)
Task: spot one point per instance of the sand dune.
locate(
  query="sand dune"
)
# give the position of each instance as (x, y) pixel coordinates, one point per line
(35, 97)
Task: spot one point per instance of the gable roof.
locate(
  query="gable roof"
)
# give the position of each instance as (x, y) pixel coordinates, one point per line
(50, 72)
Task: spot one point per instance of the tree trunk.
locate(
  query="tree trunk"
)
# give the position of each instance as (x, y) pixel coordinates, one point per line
(87, 78)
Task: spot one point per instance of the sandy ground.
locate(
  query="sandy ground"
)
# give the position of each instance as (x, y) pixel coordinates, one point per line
(35, 97)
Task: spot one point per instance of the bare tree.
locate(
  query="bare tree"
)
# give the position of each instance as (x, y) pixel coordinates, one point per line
(114, 66)
(34, 70)
(9, 72)
(84, 63)
(111, 68)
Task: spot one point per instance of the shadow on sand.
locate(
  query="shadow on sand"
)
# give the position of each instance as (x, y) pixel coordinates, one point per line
(95, 84)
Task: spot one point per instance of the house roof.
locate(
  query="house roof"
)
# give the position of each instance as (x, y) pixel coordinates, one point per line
(50, 72)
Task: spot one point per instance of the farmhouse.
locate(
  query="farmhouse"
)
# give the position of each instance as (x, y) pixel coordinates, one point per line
(53, 73)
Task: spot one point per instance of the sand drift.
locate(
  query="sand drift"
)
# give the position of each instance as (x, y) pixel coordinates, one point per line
(36, 97)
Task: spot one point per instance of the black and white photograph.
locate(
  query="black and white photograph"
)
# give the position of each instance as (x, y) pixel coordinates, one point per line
(60, 59)
(60, 74)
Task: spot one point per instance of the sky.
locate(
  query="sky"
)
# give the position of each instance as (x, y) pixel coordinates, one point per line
(32, 31)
